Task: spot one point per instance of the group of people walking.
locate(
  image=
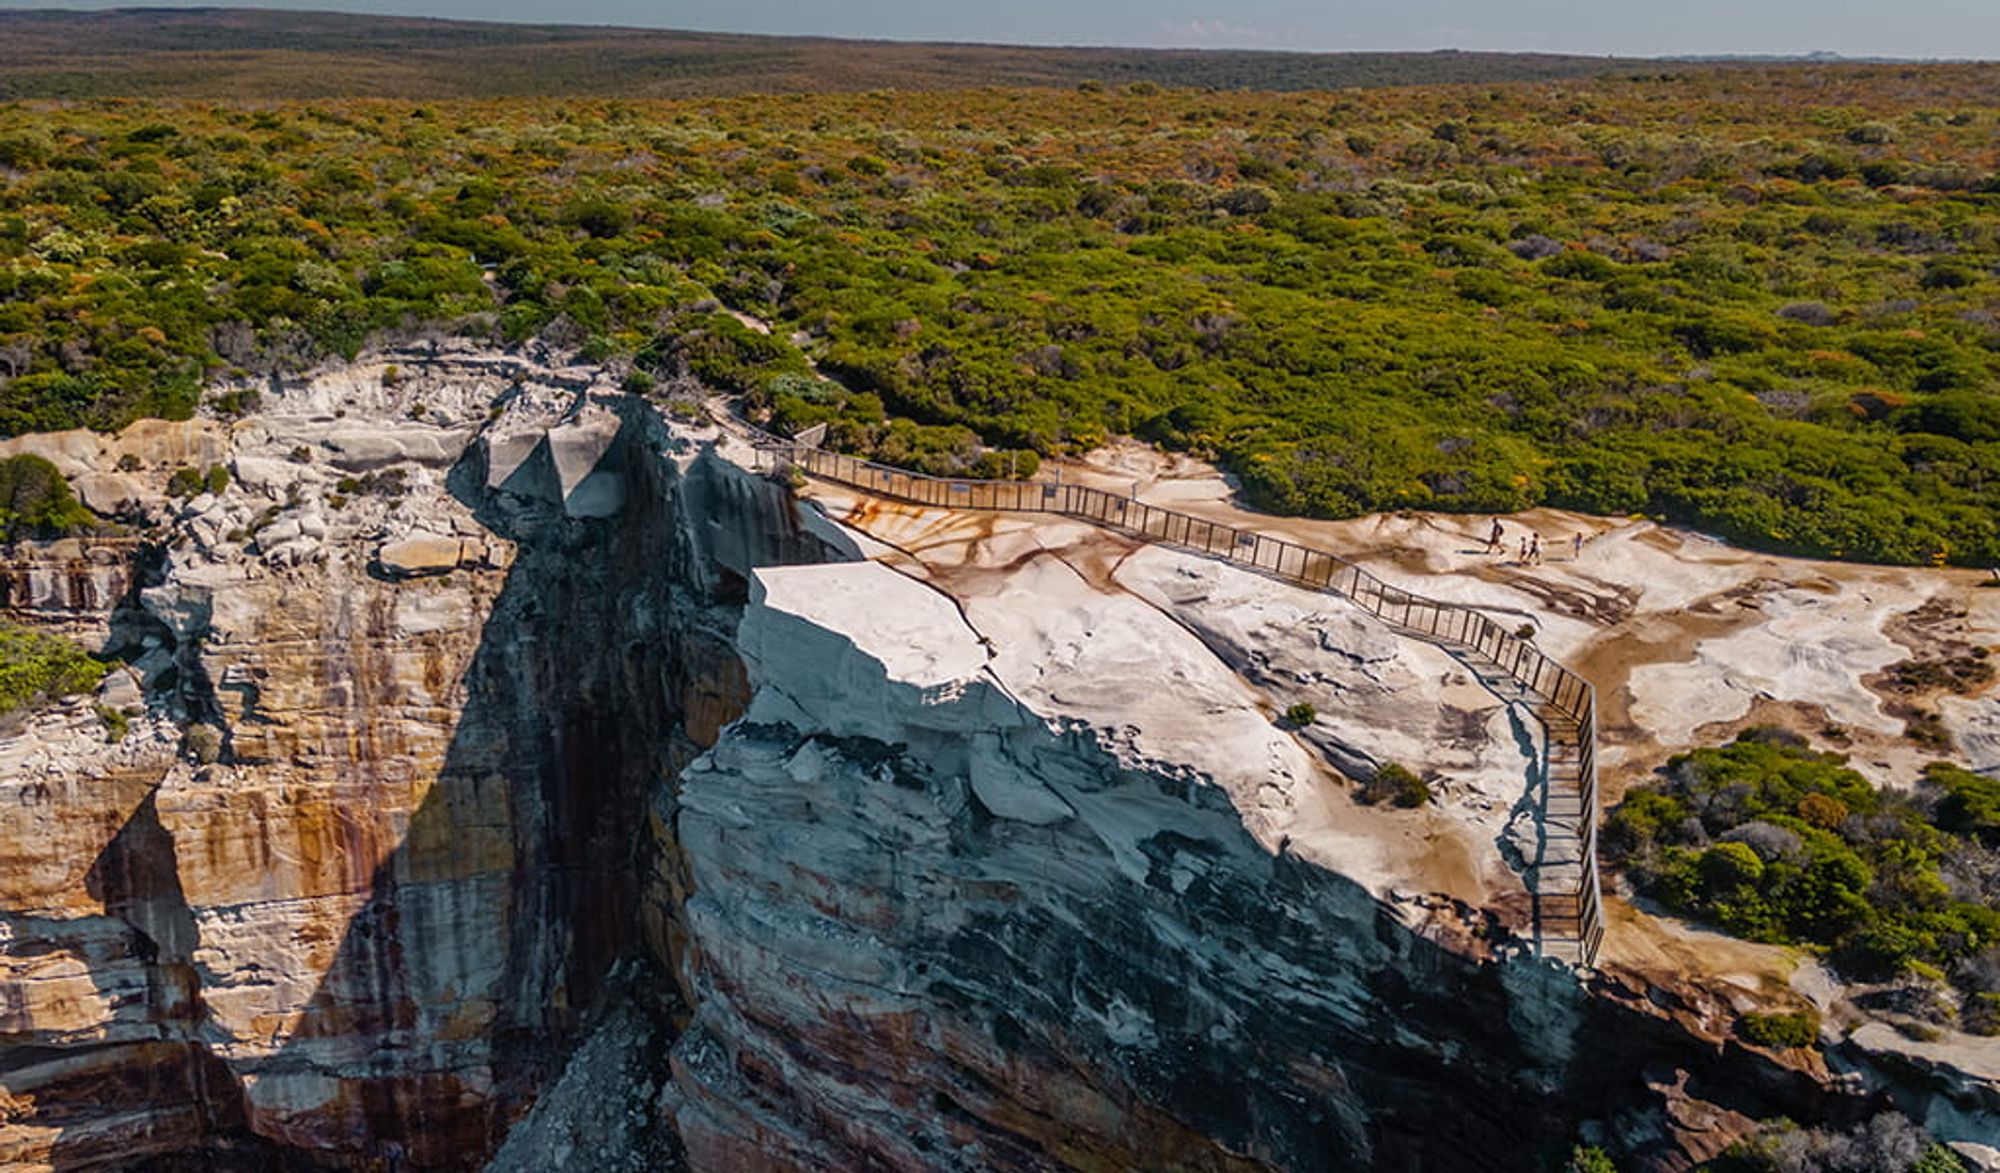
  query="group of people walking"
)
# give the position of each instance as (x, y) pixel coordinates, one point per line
(1531, 544)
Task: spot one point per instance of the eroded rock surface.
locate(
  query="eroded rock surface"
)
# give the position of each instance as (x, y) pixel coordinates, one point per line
(947, 911)
(512, 772)
(1687, 638)
(360, 913)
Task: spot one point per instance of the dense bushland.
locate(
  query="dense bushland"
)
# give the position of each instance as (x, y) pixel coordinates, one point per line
(1762, 302)
(1774, 842)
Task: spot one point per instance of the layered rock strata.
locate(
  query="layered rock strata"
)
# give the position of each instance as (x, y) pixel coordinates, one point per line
(356, 913)
(518, 773)
(944, 915)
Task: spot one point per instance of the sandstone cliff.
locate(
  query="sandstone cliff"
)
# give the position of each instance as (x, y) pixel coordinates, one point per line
(520, 774)
(356, 915)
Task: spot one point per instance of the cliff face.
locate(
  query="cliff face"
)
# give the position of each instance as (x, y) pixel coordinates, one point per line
(360, 919)
(936, 925)
(517, 774)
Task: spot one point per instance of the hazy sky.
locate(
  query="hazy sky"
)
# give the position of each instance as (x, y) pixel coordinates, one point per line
(1903, 28)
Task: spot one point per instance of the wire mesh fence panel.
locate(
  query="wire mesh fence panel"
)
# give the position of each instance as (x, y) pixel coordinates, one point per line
(1143, 519)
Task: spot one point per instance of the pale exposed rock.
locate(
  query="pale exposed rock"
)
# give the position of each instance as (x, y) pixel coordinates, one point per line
(421, 554)
(1976, 730)
(110, 493)
(280, 531)
(119, 691)
(885, 623)
(168, 444)
(73, 453)
(302, 552)
(151, 445)
(1380, 699)
(578, 450)
(505, 455)
(273, 476)
(367, 449)
(1687, 639)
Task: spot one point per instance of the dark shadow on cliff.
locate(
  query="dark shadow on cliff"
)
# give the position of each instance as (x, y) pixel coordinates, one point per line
(168, 1069)
(165, 1066)
(1240, 1010)
(605, 665)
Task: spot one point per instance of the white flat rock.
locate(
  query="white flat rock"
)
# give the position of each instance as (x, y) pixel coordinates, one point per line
(914, 632)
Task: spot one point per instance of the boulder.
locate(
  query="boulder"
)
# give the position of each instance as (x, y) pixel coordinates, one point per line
(419, 554)
(120, 691)
(589, 483)
(280, 531)
(505, 454)
(367, 448)
(110, 493)
(269, 475)
(167, 444)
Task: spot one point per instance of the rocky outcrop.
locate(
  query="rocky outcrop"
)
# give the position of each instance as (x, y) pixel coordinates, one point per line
(72, 585)
(517, 775)
(937, 920)
(360, 911)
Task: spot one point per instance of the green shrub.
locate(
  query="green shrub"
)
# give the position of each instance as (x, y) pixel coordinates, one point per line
(1590, 1159)
(1301, 715)
(1939, 1159)
(36, 502)
(1981, 1014)
(1970, 803)
(1770, 840)
(1581, 266)
(1791, 1028)
(1946, 275)
(1485, 287)
(35, 667)
(186, 482)
(1741, 347)
(116, 724)
(1392, 783)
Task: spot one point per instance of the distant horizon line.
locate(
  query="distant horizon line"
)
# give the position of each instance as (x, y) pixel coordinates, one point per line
(1721, 57)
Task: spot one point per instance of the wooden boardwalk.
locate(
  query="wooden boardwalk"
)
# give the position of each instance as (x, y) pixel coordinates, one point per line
(1561, 872)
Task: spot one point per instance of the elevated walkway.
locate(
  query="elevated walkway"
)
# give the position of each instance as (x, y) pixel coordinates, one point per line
(1561, 872)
